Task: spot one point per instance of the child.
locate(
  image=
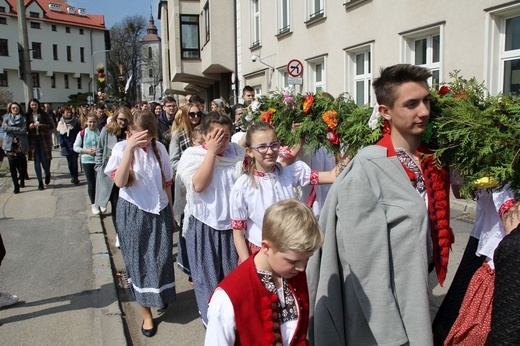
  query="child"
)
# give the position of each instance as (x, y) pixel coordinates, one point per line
(86, 144)
(196, 136)
(265, 183)
(273, 307)
(68, 128)
(140, 167)
(208, 172)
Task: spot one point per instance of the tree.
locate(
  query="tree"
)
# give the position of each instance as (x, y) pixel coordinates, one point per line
(125, 57)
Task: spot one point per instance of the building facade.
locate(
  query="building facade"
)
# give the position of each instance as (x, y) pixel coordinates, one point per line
(66, 43)
(151, 66)
(335, 46)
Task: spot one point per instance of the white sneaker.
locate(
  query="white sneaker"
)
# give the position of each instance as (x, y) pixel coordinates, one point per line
(7, 299)
(103, 209)
(117, 242)
(95, 209)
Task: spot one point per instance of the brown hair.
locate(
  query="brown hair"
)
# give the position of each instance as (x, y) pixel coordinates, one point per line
(146, 120)
(181, 122)
(113, 127)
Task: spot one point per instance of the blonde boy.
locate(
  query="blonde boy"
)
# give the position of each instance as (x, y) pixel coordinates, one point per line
(265, 299)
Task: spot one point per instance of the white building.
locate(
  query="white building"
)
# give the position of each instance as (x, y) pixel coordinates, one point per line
(151, 67)
(64, 42)
(339, 45)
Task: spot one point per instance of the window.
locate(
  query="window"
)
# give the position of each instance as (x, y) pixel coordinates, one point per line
(3, 20)
(2, 9)
(53, 81)
(35, 25)
(255, 23)
(258, 90)
(284, 78)
(67, 29)
(150, 73)
(510, 58)
(82, 54)
(55, 51)
(35, 79)
(316, 9)
(359, 74)
(190, 48)
(284, 20)
(206, 22)
(69, 53)
(34, 15)
(424, 49)
(317, 75)
(150, 53)
(150, 91)
(81, 31)
(66, 80)
(79, 83)
(54, 27)
(4, 48)
(3, 79)
(37, 50)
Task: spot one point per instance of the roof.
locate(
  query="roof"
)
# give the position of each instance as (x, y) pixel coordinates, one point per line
(95, 21)
(151, 32)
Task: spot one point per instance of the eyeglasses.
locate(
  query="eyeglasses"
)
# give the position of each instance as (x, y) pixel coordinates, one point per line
(123, 120)
(263, 149)
(195, 114)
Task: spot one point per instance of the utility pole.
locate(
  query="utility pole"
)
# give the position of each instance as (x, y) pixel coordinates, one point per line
(23, 54)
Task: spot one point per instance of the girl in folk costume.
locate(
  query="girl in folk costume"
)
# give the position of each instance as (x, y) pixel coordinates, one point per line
(140, 167)
(86, 143)
(16, 144)
(68, 128)
(474, 318)
(265, 183)
(273, 307)
(208, 173)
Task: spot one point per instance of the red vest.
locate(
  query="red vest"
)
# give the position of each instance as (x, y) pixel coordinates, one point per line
(256, 309)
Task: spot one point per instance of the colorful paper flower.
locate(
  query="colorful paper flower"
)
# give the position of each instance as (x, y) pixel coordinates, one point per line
(332, 136)
(444, 90)
(307, 103)
(330, 118)
(267, 116)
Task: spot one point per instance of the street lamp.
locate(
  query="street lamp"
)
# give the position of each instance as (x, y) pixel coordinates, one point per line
(92, 70)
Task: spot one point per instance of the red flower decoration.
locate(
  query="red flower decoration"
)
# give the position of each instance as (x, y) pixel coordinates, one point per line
(267, 116)
(332, 136)
(307, 103)
(444, 90)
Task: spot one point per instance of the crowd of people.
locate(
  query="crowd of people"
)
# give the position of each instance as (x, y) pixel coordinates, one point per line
(350, 267)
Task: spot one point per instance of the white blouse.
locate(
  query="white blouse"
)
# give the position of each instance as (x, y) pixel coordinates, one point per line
(147, 192)
(248, 204)
(488, 225)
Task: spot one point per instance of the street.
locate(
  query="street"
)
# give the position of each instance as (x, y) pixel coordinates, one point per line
(58, 263)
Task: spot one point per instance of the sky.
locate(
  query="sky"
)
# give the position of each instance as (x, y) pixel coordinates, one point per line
(115, 10)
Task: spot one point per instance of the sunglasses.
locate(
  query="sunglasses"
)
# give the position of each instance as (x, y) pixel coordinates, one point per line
(195, 114)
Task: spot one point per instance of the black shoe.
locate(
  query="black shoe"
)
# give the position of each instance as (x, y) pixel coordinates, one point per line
(26, 176)
(16, 190)
(47, 179)
(22, 183)
(149, 332)
(40, 185)
(75, 181)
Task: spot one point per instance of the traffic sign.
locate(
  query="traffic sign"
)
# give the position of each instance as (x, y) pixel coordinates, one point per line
(295, 68)
(295, 80)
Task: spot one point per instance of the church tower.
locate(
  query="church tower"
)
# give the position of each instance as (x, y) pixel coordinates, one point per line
(151, 74)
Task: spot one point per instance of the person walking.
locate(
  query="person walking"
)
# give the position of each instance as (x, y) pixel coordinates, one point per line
(40, 127)
(16, 144)
(68, 128)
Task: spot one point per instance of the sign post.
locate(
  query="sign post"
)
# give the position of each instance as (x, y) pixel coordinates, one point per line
(295, 70)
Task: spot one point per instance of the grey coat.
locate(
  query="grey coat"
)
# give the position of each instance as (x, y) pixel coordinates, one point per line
(15, 125)
(368, 284)
(104, 184)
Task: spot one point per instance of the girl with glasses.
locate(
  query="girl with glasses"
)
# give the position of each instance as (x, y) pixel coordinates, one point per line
(265, 183)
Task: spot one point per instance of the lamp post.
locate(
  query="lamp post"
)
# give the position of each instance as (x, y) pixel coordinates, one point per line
(92, 70)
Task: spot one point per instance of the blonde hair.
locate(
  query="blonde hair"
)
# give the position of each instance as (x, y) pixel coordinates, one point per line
(146, 120)
(250, 162)
(113, 127)
(181, 122)
(291, 225)
(197, 130)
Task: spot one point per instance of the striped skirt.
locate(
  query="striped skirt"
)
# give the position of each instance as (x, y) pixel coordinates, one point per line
(146, 241)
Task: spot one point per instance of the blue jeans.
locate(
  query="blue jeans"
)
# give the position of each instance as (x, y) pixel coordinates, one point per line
(40, 161)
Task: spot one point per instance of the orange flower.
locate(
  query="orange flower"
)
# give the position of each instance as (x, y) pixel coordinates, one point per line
(330, 118)
(307, 103)
(267, 116)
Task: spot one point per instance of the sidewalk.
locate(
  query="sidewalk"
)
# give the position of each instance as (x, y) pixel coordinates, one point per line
(57, 262)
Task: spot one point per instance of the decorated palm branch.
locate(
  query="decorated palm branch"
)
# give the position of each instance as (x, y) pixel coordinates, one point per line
(476, 134)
